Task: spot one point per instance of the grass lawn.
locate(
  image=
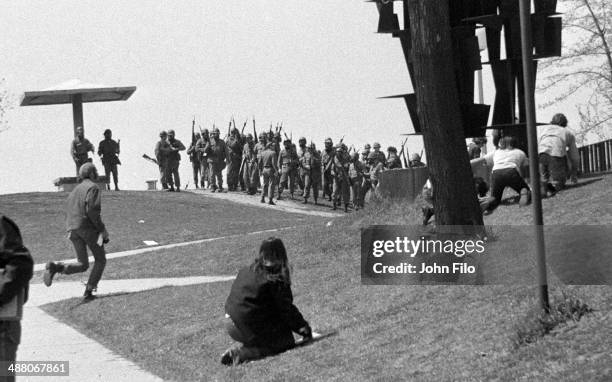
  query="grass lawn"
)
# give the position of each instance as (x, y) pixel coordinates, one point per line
(385, 332)
(166, 218)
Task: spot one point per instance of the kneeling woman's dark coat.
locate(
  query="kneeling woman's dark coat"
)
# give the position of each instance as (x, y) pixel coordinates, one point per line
(262, 311)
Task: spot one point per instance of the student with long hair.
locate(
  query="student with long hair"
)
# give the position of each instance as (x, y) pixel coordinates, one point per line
(260, 313)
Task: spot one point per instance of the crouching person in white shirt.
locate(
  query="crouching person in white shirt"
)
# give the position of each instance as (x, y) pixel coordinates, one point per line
(508, 164)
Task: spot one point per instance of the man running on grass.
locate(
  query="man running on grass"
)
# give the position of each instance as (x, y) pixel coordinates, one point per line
(84, 225)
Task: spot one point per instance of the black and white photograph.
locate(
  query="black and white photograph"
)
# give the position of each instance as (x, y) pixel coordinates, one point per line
(372, 190)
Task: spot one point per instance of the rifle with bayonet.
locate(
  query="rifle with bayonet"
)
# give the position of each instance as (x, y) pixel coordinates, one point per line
(254, 130)
(402, 154)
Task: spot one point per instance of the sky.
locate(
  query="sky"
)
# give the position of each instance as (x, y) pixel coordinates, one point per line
(317, 66)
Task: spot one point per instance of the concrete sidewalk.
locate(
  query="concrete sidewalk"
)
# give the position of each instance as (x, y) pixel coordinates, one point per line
(282, 205)
(44, 338)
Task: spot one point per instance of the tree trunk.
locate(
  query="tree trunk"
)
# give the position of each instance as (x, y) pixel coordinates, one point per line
(454, 194)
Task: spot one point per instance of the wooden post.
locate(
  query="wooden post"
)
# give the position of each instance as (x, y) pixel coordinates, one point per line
(77, 111)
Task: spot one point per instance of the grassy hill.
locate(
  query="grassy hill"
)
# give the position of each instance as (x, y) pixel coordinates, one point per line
(398, 332)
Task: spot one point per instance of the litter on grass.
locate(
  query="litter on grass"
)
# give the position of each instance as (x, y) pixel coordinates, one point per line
(150, 242)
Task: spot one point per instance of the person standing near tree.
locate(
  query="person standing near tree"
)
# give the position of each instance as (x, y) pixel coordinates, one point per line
(85, 229)
(79, 149)
(108, 150)
(174, 158)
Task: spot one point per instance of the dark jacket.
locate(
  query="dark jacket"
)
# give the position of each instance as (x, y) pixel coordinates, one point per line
(84, 206)
(16, 261)
(262, 308)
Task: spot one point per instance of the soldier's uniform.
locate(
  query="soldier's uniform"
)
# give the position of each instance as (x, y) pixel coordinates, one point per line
(339, 168)
(234, 147)
(194, 158)
(355, 173)
(202, 158)
(326, 162)
(301, 151)
(216, 153)
(393, 161)
(79, 149)
(108, 150)
(174, 158)
(267, 164)
(366, 184)
(287, 163)
(250, 169)
(162, 148)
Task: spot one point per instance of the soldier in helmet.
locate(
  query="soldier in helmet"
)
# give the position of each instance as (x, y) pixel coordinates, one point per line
(379, 154)
(355, 171)
(216, 152)
(366, 184)
(234, 148)
(301, 151)
(286, 163)
(174, 158)
(341, 181)
(194, 158)
(108, 150)
(365, 152)
(79, 148)
(313, 180)
(162, 149)
(200, 149)
(267, 162)
(393, 160)
(415, 161)
(250, 170)
(326, 162)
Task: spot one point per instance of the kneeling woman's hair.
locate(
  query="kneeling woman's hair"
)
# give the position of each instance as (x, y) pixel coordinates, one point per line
(272, 261)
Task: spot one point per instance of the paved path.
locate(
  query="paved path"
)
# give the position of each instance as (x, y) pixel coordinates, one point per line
(282, 205)
(44, 338)
(139, 251)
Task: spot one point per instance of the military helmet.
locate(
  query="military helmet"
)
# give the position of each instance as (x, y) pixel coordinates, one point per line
(216, 130)
(107, 132)
(249, 136)
(415, 157)
(328, 141)
(302, 139)
(163, 133)
(376, 145)
(367, 147)
(354, 156)
(205, 131)
(171, 132)
(391, 149)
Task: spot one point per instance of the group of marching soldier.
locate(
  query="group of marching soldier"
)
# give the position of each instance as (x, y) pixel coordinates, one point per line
(277, 165)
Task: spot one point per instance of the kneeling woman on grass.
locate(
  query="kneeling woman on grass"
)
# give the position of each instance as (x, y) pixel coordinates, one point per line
(508, 165)
(259, 310)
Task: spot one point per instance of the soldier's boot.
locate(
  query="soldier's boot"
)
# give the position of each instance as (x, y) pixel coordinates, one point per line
(305, 201)
(270, 202)
(345, 207)
(335, 207)
(292, 197)
(116, 187)
(263, 199)
(171, 189)
(316, 201)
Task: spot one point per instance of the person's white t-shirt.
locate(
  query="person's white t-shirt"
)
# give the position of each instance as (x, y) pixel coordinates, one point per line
(512, 158)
